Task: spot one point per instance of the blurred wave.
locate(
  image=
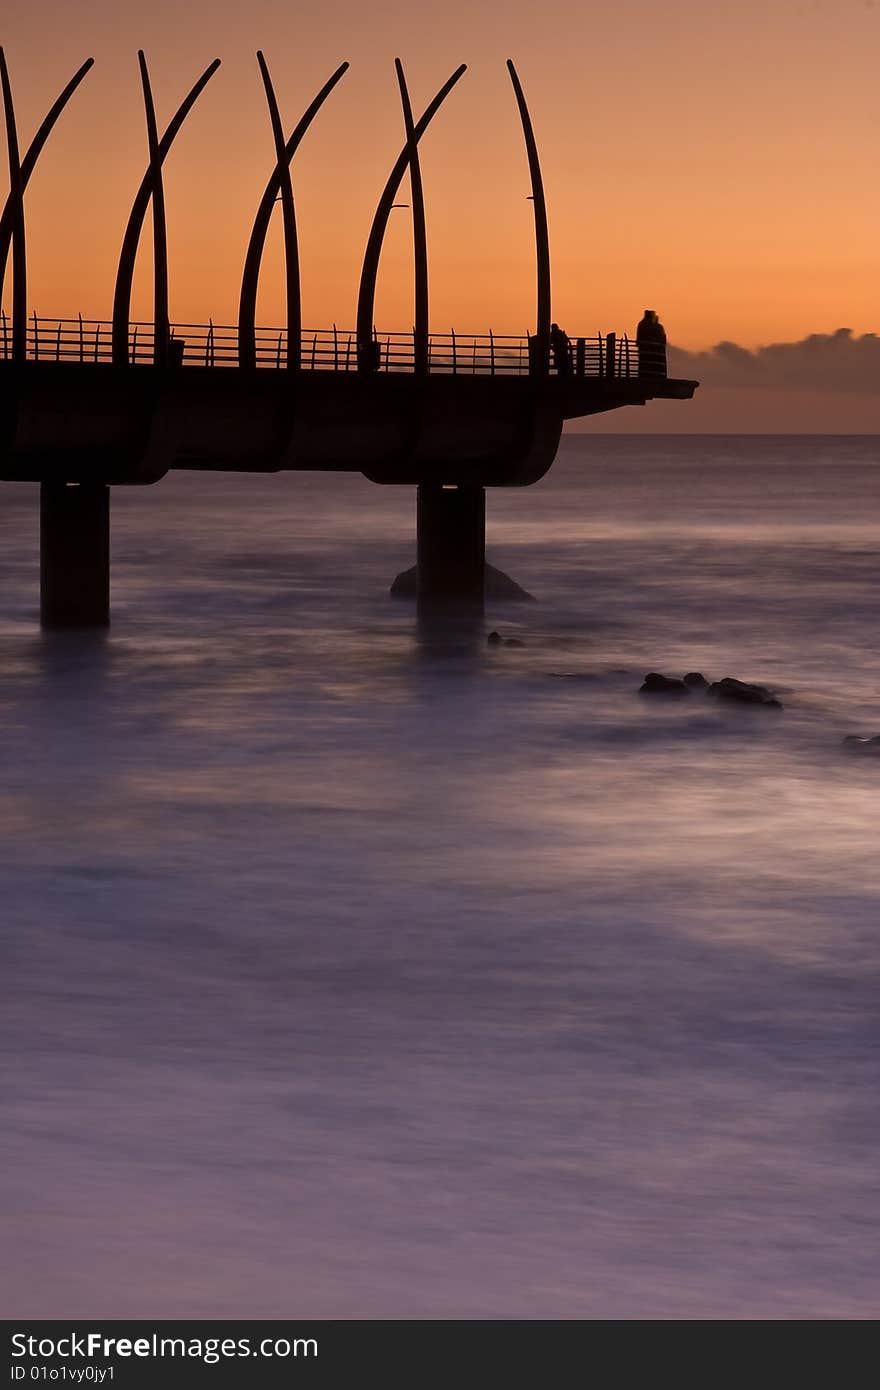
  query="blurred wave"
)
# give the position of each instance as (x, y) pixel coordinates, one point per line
(360, 969)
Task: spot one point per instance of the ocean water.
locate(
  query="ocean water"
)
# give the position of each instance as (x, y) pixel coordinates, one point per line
(354, 968)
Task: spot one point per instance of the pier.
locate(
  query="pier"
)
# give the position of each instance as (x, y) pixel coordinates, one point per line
(88, 405)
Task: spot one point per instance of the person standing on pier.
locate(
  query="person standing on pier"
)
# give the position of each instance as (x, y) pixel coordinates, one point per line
(560, 346)
(651, 344)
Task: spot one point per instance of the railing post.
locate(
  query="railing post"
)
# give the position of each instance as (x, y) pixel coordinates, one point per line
(580, 358)
(610, 353)
(491, 353)
(454, 360)
(375, 353)
(36, 337)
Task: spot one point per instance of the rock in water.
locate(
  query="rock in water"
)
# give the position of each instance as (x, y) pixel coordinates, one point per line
(405, 584)
(744, 692)
(494, 639)
(499, 586)
(857, 743)
(655, 684)
(695, 680)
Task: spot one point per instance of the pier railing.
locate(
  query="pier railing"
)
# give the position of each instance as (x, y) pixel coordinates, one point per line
(216, 345)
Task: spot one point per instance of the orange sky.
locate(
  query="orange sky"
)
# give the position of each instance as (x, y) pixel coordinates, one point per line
(716, 162)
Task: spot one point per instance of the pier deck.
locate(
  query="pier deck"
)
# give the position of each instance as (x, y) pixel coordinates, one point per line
(481, 415)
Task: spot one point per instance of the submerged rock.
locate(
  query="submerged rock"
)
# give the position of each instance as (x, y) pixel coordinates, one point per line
(406, 584)
(744, 692)
(858, 743)
(655, 684)
(498, 586)
(494, 639)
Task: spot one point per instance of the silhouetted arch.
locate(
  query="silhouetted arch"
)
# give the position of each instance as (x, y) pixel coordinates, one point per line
(16, 201)
(540, 359)
(288, 212)
(279, 181)
(370, 270)
(125, 273)
(160, 229)
(9, 214)
(420, 235)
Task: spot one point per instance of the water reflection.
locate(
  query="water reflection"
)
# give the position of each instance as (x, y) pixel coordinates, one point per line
(357, 966)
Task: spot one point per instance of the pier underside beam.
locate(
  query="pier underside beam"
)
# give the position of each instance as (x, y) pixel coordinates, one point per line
(74, 555)
(451, 544)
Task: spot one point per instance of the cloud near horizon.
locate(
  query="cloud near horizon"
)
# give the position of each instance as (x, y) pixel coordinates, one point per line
(826, 383)
(827, 362)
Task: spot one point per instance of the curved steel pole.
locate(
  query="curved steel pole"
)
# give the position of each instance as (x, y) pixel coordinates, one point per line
(420, 235)
(160, 229)
(125, 272)
(539, 364)
(7, 218)
(288, 213)
(16, 198)
(370, 270)
(279, 180)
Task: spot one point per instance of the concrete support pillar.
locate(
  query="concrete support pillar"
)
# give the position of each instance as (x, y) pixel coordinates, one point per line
(451, 544)
(74, 555)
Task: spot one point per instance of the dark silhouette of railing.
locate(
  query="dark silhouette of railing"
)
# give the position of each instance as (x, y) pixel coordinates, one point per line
(125, 343)
(217, 345)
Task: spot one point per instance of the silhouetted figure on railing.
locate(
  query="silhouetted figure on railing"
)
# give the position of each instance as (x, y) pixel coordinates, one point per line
(560, 346)
(651, 343)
